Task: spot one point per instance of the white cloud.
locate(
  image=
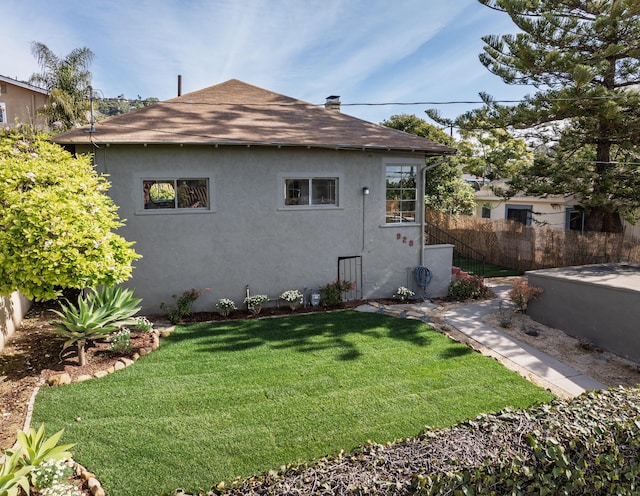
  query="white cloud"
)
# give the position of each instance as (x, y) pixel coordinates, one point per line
(365, 51)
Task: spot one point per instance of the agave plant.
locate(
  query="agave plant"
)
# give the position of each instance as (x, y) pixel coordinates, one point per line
(35, 448)
(14, 475)
(95, 317)
(78, 324)
(119, 302)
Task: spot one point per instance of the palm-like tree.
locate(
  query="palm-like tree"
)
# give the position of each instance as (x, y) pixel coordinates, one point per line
(68, 81)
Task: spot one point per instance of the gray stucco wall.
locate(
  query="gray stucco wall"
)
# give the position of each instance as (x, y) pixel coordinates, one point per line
(598, 303)
(248, 238)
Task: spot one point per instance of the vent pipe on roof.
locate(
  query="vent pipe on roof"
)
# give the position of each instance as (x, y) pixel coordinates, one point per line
(333, 103)
(179, 85)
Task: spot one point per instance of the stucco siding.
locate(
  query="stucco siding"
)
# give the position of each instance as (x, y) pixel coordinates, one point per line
(22, 105)
(12, 309)
(249, 237)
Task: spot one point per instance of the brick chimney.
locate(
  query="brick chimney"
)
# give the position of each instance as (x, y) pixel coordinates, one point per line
(333, 103)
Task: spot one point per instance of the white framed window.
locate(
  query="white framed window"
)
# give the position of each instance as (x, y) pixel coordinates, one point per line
(401, 187)
(3, 113)
(184, 194)
(309, 191)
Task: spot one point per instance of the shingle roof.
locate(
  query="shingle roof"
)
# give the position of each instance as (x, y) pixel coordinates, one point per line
(24, 85)
(237, 113)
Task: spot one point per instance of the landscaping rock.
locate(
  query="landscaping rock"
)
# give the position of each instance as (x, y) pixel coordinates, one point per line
(126, 361)
(95, 487)
(59, 380)
(83, 377)
(100, 373)
(119, 365)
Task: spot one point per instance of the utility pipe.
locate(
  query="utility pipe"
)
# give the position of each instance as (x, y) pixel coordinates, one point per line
(423, 220)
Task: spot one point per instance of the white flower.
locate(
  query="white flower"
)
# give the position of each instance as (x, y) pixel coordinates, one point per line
(31, 176)
(291, 295)
(226, 304)
(404, 292)
(256, 300)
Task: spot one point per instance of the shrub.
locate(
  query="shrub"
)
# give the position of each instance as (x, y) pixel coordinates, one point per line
(78, 324)
(119, 303)
(225, 306)
(332, 292)
(521, 293)
(404, 293)
(183, 305)
(121, 341)
(36, 462)
(95, 316)
(255, 303)
(50, 473)
(142, 324)
(58, 223)
(14, 475)
(467, 287)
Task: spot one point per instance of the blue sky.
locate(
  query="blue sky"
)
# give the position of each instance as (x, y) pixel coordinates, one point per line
(366, 51)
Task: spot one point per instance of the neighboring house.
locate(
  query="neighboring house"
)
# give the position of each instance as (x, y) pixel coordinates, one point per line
(19, 103)
(238, 188)
(554, 211)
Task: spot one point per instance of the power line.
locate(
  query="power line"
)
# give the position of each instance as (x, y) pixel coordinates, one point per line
(368, 104)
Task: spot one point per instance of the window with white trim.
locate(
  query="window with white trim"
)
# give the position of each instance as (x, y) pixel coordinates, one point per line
(182, 193)
(401, 190)
(3, 113)
(310, 191)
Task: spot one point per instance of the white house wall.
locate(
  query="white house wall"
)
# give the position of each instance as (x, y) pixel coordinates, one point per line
(248, 238)
(551, 213)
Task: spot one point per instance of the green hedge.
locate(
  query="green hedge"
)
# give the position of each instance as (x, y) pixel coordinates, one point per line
(589, 446)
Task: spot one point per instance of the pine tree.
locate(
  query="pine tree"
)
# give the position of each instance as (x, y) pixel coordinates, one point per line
(583, 58)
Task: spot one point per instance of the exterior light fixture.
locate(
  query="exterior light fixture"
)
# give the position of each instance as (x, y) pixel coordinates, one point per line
(365, 191)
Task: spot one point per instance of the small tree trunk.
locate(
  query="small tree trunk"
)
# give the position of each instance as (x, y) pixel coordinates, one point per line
(82, 359)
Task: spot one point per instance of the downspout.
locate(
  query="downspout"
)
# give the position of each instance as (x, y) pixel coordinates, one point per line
(423, 220)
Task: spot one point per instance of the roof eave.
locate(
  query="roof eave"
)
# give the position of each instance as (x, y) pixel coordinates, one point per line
(95, 140)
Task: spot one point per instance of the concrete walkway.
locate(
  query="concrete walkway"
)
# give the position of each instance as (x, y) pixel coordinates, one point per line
(467, 325)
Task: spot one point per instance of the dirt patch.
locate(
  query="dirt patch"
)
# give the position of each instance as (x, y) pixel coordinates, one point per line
(603, 366)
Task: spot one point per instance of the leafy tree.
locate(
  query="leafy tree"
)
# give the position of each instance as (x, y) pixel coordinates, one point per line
(68, 81)
(109, 107)
(491, 154)
(56, 221)
(445, 190)
(583, 58)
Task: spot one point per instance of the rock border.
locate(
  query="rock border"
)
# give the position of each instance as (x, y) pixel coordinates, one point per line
(121, 363)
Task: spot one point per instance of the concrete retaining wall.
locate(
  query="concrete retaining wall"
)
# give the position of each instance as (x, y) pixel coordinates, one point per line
(597, 303)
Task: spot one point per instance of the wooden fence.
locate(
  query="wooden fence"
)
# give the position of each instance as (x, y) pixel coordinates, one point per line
(512, 244)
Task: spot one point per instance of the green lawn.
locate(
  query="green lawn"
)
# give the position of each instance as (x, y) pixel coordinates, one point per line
(490, 270)
(234, 398)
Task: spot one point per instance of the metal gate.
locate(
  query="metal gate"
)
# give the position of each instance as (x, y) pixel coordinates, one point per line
(350, 269)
